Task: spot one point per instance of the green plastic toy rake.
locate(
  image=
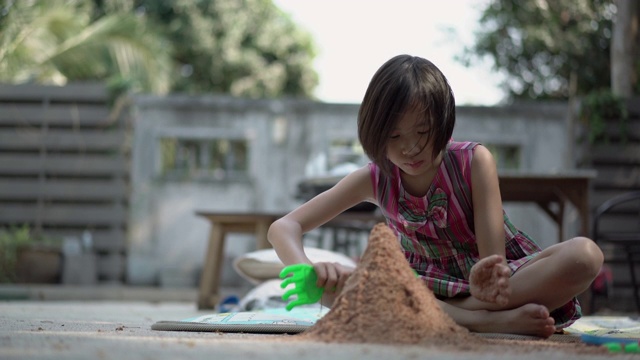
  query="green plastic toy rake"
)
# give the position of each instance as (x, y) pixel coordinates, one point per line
(304, 279)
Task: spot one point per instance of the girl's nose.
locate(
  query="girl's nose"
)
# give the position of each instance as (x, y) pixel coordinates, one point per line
(410, 148)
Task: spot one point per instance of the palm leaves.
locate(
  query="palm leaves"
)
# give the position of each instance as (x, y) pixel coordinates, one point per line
(56, 42)
(240, 47)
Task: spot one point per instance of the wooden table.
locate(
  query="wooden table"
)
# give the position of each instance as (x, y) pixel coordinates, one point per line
(247, 223)
(571, 187)
(545, 190)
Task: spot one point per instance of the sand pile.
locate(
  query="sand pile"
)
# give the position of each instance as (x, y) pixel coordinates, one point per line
(383, 302)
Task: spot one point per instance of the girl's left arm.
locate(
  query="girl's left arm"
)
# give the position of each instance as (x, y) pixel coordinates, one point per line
(487, 204)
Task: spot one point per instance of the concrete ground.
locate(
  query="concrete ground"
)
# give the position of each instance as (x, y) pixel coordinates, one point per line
(119, 327)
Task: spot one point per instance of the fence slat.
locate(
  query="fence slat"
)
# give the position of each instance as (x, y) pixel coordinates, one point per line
(76, 115)
(74, 92)
(65, 215)
(616, 154)
(60, 189)
(69, 165)
(633, 106)
(104, 240)
(617, 177)
(66, 140)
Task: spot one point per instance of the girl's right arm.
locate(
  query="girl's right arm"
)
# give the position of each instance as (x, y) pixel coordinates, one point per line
(285, 234)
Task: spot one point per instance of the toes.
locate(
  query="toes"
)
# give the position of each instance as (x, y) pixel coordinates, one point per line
(543, 313)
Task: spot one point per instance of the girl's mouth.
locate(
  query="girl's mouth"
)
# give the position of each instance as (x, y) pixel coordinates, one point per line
(416, 164)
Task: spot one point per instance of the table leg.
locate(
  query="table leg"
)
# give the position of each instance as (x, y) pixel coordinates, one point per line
(557, 217)
(262, 227)
(579, 198)
(210, 277)
(561, 221)
(583, 207)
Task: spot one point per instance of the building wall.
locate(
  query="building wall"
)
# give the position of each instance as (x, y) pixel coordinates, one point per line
(167, 239)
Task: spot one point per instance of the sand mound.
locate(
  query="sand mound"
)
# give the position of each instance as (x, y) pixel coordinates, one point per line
(383, 302)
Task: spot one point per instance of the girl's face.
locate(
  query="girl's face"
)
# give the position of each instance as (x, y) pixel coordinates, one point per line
(409, 147)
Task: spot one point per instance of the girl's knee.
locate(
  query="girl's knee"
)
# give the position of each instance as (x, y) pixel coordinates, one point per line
(585, 254)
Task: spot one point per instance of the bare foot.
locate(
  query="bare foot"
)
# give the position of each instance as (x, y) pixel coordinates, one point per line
(529, 319)
(489, 280)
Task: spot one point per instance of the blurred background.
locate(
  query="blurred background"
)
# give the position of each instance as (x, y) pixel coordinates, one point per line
(121, 119)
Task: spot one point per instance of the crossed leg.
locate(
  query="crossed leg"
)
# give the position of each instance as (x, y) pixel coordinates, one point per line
(522, 304)
(528, 319)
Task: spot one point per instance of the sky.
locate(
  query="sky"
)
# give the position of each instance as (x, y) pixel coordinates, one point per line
(355, 37)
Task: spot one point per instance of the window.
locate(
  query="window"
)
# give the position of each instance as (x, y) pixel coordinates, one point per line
(507, 156)
(194, 159)
(345, 151)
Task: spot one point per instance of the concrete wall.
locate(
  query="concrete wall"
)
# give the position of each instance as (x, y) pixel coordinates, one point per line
(167, 240)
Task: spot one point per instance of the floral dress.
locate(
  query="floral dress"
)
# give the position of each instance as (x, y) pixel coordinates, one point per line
(437, 233)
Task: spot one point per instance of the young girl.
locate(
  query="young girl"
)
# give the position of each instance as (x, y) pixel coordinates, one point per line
(443, 201)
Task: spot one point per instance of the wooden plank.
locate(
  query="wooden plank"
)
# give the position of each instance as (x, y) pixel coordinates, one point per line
(60, 189)
(76, 92)
(599, 197)
(633, 107)
(70, 165)
(114, 240)
(618, 177)
(72, 115)
(626, 207)
(621, 222)
(616, 187)
(66, 140)
(608, 154)
(104, 240)
(69, 215)
(631, 132)
(111, 266)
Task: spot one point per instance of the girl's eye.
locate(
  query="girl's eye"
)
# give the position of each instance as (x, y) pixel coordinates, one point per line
(395, 136)
(423, 132)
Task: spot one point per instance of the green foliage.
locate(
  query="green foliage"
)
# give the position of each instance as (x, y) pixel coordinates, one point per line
(55, 42)
(10, 241)
(600, 110)
(240, 47)
(541, 44)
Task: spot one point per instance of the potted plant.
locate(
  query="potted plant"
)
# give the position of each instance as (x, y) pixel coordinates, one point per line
(26, 258)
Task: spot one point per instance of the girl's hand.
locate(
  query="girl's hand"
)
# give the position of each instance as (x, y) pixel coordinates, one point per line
(332, 276)
(489, 280)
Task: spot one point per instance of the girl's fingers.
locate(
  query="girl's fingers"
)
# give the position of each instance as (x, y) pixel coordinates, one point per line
(332, 278)
(327, 275)
(321, 272)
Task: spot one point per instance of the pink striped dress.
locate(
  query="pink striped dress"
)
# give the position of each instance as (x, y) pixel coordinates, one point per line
(436, 231)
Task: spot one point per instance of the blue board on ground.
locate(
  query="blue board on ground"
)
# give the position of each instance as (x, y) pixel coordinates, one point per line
(269, 321)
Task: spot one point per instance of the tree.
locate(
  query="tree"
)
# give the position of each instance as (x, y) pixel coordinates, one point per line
(242, 47)
(546, 48)
(624, 49)
(56, 42)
